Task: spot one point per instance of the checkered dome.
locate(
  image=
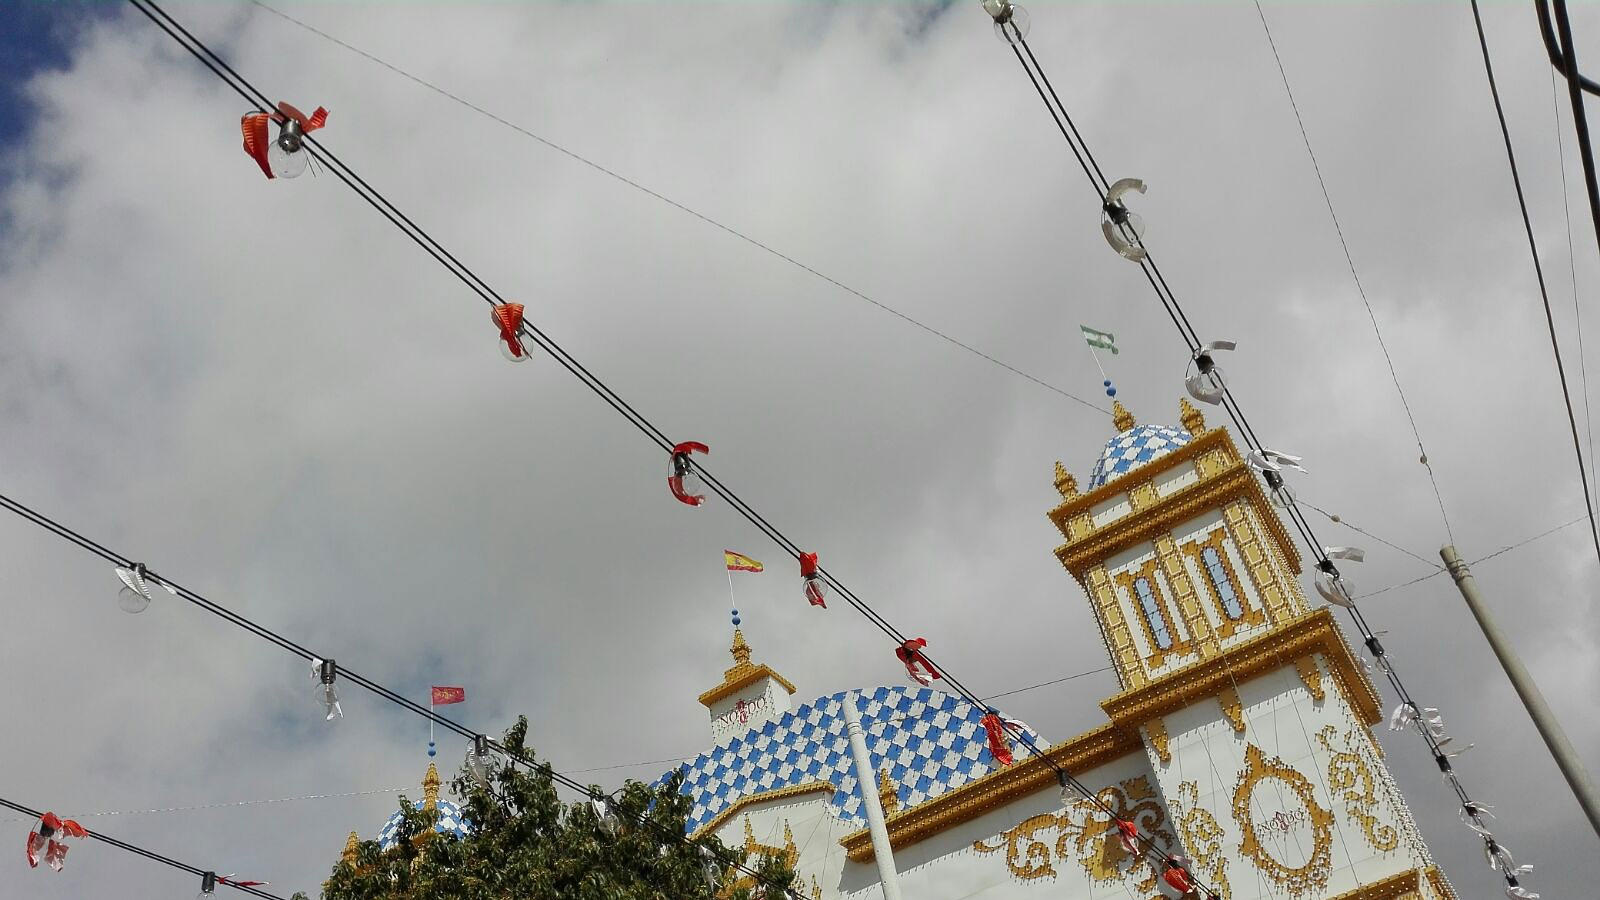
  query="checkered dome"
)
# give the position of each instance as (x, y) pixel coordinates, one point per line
(928, 741)
(450, 823)
(1133, 448)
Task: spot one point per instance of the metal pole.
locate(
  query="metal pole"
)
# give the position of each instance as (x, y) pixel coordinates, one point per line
(881, 852)
(1543, 718)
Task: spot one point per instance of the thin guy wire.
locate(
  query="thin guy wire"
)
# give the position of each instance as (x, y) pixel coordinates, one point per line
(766, 248)
(212, 61)
(1572, 269)
(1340, 520)
(1354, 276)
(1538, 270)
(147, 854)
(227, 805)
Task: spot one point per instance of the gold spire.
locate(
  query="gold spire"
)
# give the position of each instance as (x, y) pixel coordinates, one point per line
(1192, 420)
(888, 797)
(1066, 485)
(1121, 419)
(740, 651)
(430, 787)
(350, 846)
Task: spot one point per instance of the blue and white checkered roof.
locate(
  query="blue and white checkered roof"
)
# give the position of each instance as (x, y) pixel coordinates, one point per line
(450, 823)
(929, 742)
(1133, 448)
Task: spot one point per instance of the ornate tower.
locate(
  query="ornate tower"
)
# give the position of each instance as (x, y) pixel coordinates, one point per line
(750, 694)
(1254, 713)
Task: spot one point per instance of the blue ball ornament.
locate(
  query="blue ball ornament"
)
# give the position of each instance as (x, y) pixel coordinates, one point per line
(432, 751)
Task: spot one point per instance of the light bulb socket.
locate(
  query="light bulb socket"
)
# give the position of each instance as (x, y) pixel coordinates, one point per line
(1116, 211)
(1274, 479)
(1204, 362)
(1327, 567)
(290, 136)
(328, 671)
(480, 744)
(680, 464)
(1444, 766)
(1374, 646)
(208, 882)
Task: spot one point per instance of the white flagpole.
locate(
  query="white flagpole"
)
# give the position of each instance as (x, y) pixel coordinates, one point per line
(1097, 365)
(731, 604)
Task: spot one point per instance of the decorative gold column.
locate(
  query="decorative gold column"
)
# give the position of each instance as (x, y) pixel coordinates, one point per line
(1200, 632)
(1257, 561)
(1124, 653)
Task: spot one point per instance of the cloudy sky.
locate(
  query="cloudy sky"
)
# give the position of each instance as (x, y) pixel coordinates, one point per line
(263, 390)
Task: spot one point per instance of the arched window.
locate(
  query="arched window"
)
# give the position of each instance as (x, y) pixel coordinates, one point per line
(1219, 581)
(1152, 613)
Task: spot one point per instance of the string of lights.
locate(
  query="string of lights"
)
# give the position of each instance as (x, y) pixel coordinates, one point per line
(682, 207)
(1123, 231)
(208, 878)
(526, 330)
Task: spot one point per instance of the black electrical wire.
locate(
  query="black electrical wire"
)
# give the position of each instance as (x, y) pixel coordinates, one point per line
(1164, 293)
(147, 854)
(1557, 52)
(1586, 155)
(240, 85)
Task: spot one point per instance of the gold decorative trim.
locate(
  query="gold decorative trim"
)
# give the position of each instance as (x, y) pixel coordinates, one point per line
(1232, 708)
(1121, 419)
(1314, 631)
(1092, 834)
(1348, 772)
(1157, 729)
(1306, 666)
(1158, 655)
(1400, 886)
(1120, 636)
(1203, 836)
(788, 853)
(1249, 616)
(1066, 485)
(1441, 884)
(1143, 496)
(1313, 875)
(1193, 422)
(742, 674)
(994, 790)
(888, 794)
(1231, 480)
(793, 790)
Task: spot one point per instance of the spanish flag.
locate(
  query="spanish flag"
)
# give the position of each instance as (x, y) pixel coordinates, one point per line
(738, 562)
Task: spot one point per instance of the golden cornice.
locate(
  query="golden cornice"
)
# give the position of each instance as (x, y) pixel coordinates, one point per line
(1441, 885)
(793, 790)
(1216, 437)
(1234, 482)
(736, 683)
(1314, 631)
(992, 791)
(1402, 885)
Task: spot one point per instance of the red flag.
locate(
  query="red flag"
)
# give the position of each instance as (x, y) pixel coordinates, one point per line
(447, 695)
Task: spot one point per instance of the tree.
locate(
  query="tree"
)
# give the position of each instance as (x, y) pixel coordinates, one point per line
(526, 844)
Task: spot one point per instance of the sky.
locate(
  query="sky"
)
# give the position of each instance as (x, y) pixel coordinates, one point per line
(262, 390)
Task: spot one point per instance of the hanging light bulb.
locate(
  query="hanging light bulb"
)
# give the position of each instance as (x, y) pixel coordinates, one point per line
(1208, 382)
(286, 156)
(134, 597)
(1335, 587)
(208, 886)
(681, 477)
(1270, 464)
(1010, 20)
(1123, 228)
(325, 672)
(478, 761)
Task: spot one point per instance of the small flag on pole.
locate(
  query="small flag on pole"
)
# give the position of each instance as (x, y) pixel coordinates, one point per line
(1102, 339)
(738, 562)
(443, 696)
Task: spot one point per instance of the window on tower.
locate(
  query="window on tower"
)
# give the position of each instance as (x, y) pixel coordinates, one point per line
(1219, 581)
(1152, 613)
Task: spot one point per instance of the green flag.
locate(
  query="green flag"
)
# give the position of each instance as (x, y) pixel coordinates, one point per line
(1102, 339)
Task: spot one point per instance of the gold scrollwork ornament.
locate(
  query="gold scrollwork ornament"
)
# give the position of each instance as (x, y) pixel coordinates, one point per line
(1203, 836)
(1349, 773)
(1313, 874)
(1087, 835)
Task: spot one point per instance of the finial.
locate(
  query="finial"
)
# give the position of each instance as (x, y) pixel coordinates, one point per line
(739, 649)
(1121, 419)
(430, 787)
(1066, 485)
(350, 847)
(888, 797)
(1192, 419)
(1111, 389)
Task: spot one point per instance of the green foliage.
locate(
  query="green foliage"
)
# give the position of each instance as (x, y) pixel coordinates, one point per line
(527, 844)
